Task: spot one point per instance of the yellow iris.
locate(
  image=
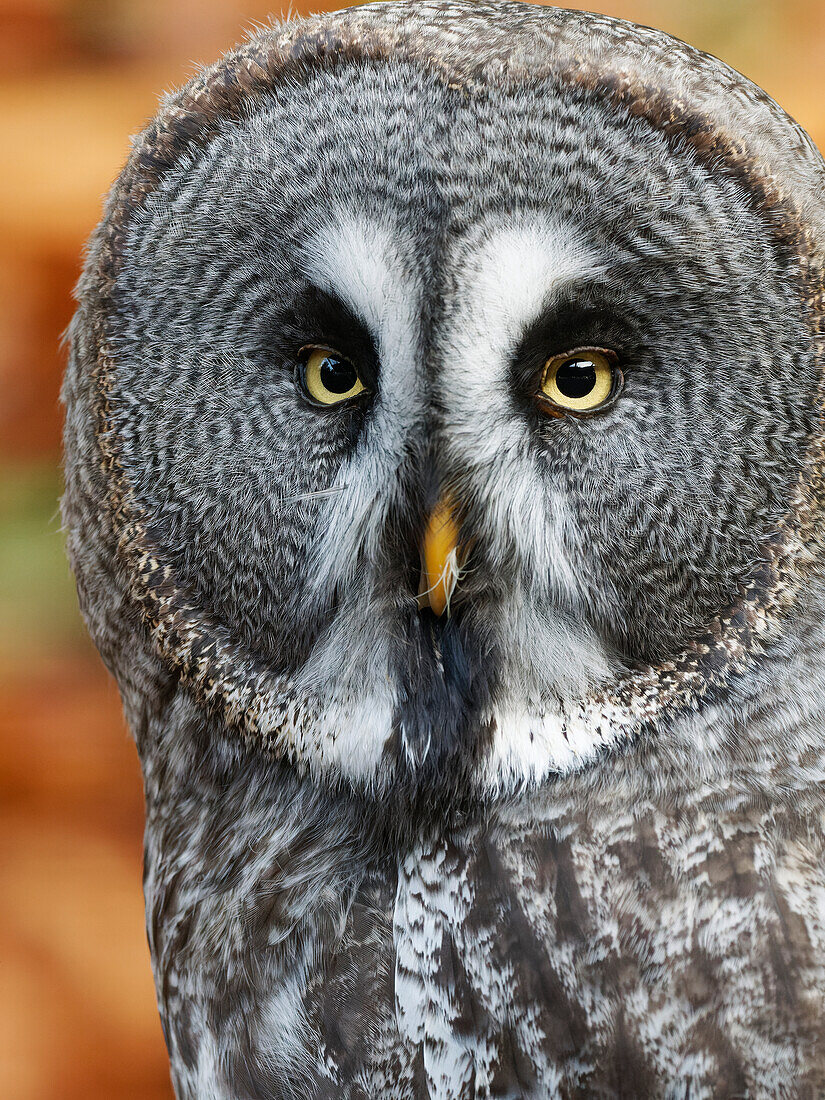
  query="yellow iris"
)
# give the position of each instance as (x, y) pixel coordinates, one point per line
(329, 377)
(580, 380)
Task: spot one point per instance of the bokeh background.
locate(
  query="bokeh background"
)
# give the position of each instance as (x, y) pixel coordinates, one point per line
(77, 77)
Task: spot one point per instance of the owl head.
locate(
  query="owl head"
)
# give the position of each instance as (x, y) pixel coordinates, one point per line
(445, 391)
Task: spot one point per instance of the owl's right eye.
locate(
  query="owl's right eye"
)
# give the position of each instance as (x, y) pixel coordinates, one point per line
(327, 377)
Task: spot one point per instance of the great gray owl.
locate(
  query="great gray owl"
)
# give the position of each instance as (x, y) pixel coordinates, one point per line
(444, 488)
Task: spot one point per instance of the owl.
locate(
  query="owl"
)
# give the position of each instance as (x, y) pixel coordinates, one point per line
(444, 488)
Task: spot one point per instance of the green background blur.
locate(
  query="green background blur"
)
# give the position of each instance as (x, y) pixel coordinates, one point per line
(77, 1013)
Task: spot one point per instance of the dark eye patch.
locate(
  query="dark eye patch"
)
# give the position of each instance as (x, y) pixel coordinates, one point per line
(314, 316)
(589, 317)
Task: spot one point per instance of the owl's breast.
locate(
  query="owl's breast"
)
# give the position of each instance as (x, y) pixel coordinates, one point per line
(615, 957)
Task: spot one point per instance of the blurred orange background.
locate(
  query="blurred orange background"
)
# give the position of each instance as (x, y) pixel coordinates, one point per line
(77, 77)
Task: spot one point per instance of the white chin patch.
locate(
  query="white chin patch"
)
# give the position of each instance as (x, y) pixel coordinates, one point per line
(545, 722)
(530, 747)
(354, 733)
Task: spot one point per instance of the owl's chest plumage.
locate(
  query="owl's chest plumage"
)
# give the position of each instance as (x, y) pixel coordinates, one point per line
(542, 954)
(632, 956)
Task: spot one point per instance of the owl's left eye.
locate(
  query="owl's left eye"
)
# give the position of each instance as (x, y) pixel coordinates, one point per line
(327, 377)
(581, 381)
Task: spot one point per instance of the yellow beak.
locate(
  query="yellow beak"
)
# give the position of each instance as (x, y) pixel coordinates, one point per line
(440, 565)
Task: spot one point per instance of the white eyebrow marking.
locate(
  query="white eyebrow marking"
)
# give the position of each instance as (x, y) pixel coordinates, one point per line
(510, 277)
(370, 267)
(503, 281)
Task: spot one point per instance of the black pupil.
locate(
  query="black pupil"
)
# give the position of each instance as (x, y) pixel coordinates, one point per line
(576, 377)
(337, 375)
